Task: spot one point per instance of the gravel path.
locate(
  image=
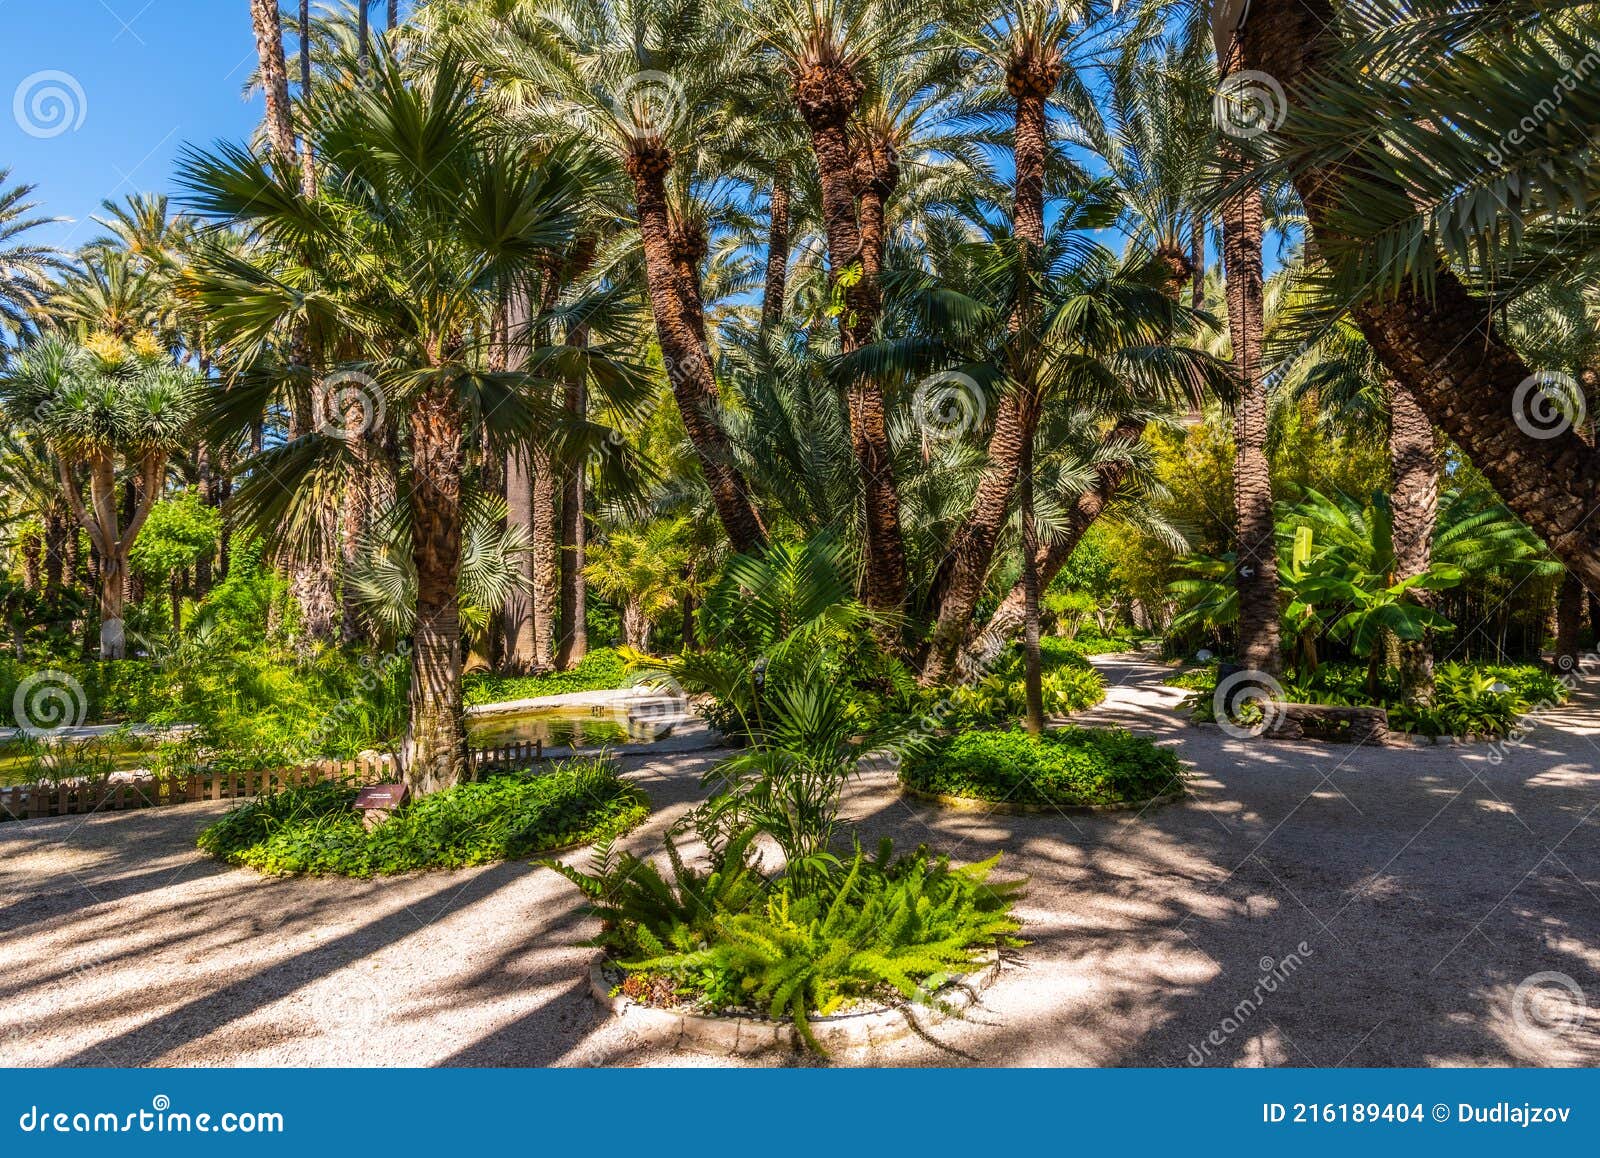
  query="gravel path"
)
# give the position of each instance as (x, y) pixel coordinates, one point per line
(1313, 905)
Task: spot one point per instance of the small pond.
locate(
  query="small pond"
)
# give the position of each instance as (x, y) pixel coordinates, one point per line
(563, 727)
(24, 762)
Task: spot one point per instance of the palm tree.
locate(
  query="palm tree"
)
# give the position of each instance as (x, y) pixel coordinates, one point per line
(1256, 571)
(102, 408)
(25, 268)
(832, 49)
(645, 84)
(29, 477)
(1430, 204)
(1352, 391)
(112, 292)
(144, 226)
(644, 572)
(274, 75)
(1034, 47)
(424, 221)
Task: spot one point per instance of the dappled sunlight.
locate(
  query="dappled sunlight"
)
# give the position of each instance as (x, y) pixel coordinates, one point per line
(1263, 921)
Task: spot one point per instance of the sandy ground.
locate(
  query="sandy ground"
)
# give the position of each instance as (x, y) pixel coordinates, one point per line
(1313, 905)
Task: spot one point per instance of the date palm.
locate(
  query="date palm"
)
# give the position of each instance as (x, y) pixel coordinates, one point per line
(646, 84)
(25, 267)
(112, 292)
(1035, 48)
(1407, 134)
(425, 219)
(832, 50)
(1353, 392)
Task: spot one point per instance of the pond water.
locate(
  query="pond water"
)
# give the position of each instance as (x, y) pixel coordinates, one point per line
(22, 762)
(561, 727)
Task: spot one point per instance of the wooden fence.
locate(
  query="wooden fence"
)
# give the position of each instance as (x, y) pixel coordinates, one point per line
(81, 797)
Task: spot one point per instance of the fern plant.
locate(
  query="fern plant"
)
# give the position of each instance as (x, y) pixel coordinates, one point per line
(801, 947)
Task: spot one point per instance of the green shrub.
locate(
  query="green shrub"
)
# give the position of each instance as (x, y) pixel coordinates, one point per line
(1091, 644)
(1195, 679)
(1070, 683)
(315, 830)
(1066, 766)
(1483, 701)
(1465, 699)
(113, 691)
(599, 670)
(877, 928)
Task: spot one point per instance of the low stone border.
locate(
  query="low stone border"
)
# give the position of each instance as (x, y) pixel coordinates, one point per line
(978, 804)
(740, 1034)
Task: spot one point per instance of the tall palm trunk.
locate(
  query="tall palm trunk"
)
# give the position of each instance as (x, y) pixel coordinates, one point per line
(308, 162)
(1414, 466)
(310, 580)
(777, 247)
(32, 545)
(1032, 668)
(274, 75)
(394, 14)
(687, 357)
(354, 517)
(56, 531)
(436, 741)
(546, 568)
(1256, 572)
(1443, 346)
(826, 96)
(1197, 261)
(1569, 623)
(961, 580)
(572, 634)
(518, 615)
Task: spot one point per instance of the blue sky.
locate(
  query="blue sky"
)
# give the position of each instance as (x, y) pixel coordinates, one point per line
(154, 75)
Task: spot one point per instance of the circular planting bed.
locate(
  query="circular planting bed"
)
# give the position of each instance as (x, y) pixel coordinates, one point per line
(750, 1033)
(1064, 770)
